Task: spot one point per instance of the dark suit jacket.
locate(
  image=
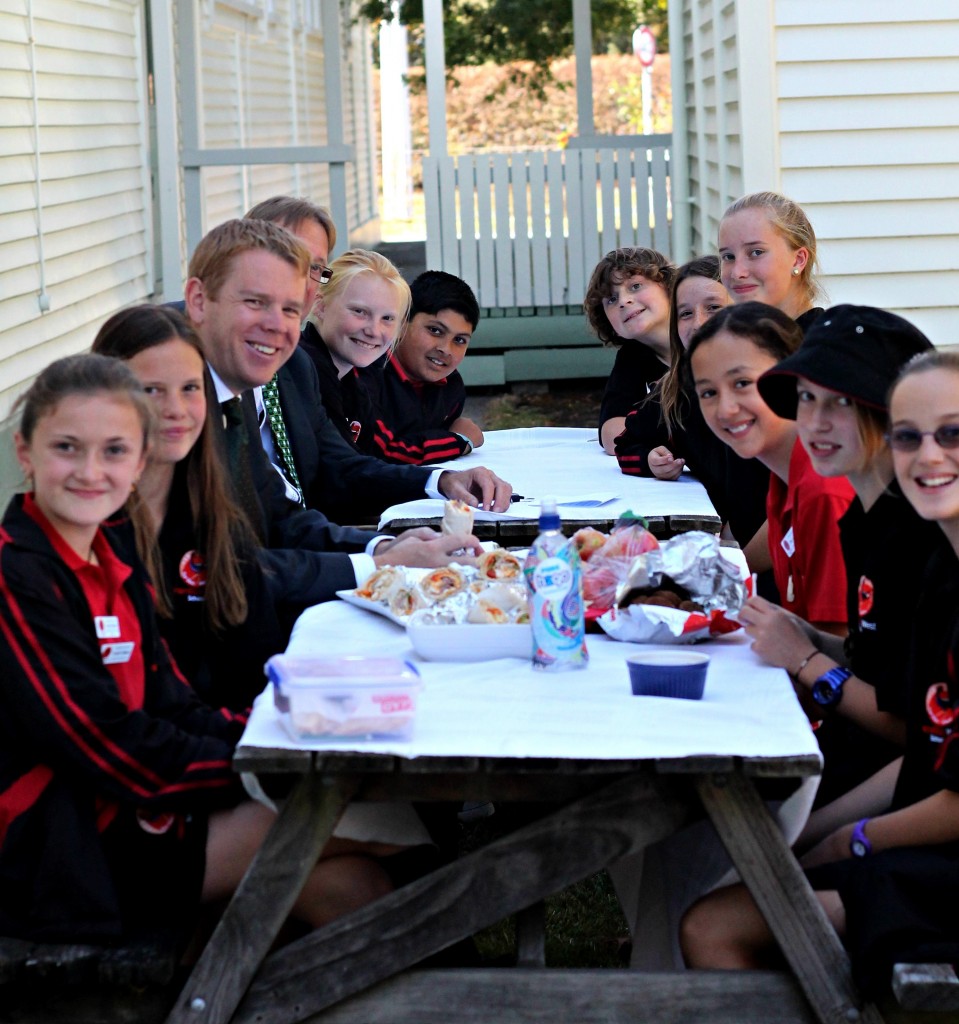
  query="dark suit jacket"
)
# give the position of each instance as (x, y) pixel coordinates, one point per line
(308, 554)
(342, 482)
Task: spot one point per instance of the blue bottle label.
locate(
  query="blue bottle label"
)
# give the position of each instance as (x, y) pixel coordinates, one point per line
(552, 579)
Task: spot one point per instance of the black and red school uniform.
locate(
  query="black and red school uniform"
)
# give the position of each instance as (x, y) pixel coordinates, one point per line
(803, 516)
(901, 904)
(225, 666)
(412, 418)
(635, 369)
(346, 399)
(885, 551)
(737, 487)
(109, 762)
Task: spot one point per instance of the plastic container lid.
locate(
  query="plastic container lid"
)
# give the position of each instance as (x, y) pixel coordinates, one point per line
(357, 670)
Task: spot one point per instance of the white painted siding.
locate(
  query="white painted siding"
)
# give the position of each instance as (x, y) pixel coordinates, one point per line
(75, 217)
(262, 85)
(713, 111)
(869, 144)
(850, 109)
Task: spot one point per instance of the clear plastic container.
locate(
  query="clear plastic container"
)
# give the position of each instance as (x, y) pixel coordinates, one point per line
(352, 697)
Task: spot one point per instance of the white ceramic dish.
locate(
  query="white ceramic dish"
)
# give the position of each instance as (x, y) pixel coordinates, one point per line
(470, 641)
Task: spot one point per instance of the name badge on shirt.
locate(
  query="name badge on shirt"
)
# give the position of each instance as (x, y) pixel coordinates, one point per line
(789, 543)
(107, 626)
(118, 653)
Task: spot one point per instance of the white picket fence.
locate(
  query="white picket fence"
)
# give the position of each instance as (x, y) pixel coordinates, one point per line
(526, 229)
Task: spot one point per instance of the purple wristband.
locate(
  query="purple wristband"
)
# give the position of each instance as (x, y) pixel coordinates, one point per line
(859, 845)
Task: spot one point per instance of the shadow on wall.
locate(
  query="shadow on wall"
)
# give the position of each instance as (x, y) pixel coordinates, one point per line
(11, 477)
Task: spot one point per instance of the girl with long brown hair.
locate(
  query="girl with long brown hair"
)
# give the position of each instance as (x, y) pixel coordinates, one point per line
(211, 577)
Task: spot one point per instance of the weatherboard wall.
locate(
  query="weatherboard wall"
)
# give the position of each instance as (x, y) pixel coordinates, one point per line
(849, 108)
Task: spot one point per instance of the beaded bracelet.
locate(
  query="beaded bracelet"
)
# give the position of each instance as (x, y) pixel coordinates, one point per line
(809, 657)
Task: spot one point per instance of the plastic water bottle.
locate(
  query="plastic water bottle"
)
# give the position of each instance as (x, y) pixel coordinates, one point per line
(554, 582)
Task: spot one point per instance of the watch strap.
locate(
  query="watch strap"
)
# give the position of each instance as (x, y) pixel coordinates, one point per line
(859, 844)
(827, 689)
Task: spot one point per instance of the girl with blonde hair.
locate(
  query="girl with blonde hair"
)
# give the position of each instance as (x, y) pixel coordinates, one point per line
(356, 320)
(768, 253)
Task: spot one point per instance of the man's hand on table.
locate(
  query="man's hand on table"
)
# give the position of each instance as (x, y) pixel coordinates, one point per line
(427, 549)
(479, 487)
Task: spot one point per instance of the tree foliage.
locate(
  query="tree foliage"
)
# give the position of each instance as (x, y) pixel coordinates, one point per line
(504, 31)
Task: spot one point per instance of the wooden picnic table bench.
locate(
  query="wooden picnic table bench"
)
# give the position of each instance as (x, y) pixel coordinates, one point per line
(52, 983)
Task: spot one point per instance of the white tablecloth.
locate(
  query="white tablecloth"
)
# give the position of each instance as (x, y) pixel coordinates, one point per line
(506, 708)
(568, 463)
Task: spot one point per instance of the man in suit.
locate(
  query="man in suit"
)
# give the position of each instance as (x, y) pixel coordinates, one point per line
(318, 449)
(245, 296)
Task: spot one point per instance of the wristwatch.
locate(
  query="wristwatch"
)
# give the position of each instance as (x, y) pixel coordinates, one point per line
(859, 845)
(467, 443)
(827, 689)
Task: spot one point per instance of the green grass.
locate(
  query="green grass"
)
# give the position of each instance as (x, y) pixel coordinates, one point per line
(585, 926)
(570, 405)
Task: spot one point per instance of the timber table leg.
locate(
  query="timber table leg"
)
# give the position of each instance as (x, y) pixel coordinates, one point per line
(786, 900)
(453, 902)
(262, 901)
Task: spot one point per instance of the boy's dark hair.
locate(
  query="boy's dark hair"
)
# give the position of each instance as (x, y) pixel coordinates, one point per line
(616, 266)
(435, 290)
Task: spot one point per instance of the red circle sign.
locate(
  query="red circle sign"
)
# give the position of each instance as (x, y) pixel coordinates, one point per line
(644, 45)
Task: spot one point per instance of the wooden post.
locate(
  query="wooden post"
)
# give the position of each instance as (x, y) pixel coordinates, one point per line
(780, 889)
(435, 75)
(262, 901)
(583, 48)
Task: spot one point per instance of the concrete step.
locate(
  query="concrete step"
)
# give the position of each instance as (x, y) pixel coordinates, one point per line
(408, 257)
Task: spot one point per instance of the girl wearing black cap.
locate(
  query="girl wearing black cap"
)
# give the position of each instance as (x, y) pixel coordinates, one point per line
(887, 868)
(835, 386)
(727, 356)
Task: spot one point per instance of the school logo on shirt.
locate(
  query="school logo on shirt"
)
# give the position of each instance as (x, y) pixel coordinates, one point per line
(789, 543)
(193, 574)
(117, 653)
(943, 713)
(866, 596)
(356, 429)
(157, 823)
(107, 627)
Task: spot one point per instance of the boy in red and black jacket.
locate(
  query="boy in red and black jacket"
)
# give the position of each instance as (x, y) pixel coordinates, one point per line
(418, 394)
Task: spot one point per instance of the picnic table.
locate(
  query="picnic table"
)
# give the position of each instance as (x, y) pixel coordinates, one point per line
(621, 772)
(567, 463)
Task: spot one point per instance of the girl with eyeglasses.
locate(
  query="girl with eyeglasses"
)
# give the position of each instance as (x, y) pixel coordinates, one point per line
(885, 865)
(835, 388)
